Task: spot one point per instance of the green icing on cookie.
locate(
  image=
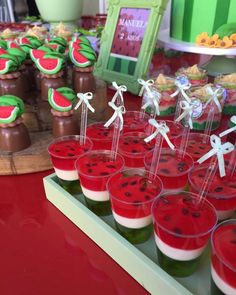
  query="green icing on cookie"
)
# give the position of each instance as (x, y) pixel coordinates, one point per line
(67, 92)
(59, 40)
(3, 44)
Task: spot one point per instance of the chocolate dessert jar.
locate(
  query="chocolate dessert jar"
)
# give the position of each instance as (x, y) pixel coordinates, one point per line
(14, 135)
(83, 56)
(51, 81)
(64, 121)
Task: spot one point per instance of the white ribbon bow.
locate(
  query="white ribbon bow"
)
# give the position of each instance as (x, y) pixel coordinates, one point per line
(182, 84)
(214, 96)
(219, 150)
(84, 98)
(118, 113)
(232, 129)
(187, 110)
(161, 128)
(119, 92)
(146, 86)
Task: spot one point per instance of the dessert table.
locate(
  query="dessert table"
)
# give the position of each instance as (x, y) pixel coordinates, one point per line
(43, 252)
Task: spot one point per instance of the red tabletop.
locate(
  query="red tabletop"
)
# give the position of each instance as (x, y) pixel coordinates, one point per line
(44, 253)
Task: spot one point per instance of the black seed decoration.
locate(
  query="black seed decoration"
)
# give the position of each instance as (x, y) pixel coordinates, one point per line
(181, 164)
(185, 211)
(134, 151)
(135, 141)
(111, 166)
(86, 150)
(127, 194)
(218, 189)
(201, 148)
(94, 164)
(72, 149)
(136, 203)
(180, 169)
(70, 155)
(165, 171)
(197, 153)
(177, 230)
(105, 133)
(226, 162)
(187, 199)
(90, 170)
(133, 182)
(124, 184)
(196, 214)
(104, 173)
(167, 218)
(142, 189)
(56, 150)
(200, 175)
(233, 242)
(163, 160)
(126, 143)
(147, 197)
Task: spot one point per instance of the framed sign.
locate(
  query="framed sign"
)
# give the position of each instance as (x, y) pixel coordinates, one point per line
(128, 41)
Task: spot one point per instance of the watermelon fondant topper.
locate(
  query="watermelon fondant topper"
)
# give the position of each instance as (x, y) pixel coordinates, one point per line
(7, 65)
(11, 107)
(58, 101)
(50, 66)
(82, 58)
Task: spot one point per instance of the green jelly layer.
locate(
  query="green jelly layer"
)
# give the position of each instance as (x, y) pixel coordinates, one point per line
(198, 126)
(229, 110)
(135, 235)
(73, 187)
(99, 208)
(177, 268)
(169, 111)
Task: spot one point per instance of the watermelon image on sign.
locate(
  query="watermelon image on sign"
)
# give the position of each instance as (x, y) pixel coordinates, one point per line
(58, 102)
(49, 65)
(8, 114)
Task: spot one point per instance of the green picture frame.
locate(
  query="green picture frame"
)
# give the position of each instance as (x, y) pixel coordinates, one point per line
(128, 41)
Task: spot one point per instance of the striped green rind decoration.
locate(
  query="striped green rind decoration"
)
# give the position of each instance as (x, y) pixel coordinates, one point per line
(120, 65)
(190, 18)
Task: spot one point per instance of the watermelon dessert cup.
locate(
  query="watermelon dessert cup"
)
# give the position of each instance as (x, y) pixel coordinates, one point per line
(195, 75)
(221, 193)
(132, 192)
(64, 151)
(200, 114)
(101, 136)
(173, 169)
(133, 148)
(229, 83)
(94, 169)
(197, 146)
(135, 121)
(223, 258)
(165, 86)
(182, 228)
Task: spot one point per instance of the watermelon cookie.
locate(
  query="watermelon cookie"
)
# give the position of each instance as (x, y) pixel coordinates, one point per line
(221, 192)
(195, 75)
(64, 151)
(94, 169)
(229, 83)
(28, 42)
(13, 133)
(164, 86)
(182, 228)
(132, 192)
(207, 98)
(64, 122)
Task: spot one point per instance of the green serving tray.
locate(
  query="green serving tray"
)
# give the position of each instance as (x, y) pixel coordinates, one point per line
(139, 261)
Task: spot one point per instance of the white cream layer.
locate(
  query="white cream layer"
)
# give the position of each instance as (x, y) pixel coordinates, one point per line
(224, 214)
(98, 196)
(133, 222)
(68, 175)
(221, 284)
(175, 253)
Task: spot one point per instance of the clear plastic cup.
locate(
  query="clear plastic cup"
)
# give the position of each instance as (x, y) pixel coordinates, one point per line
(176, 129)
(173, 168)
(64, 151)
(223, 258)
(101, 136)
(182, 228)
(135, 121)
(132, 192)
(221, 193)
(133, 148)
(94, 169)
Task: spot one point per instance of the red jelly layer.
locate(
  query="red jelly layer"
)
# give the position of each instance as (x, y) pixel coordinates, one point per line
(224, 252)
(172, 168)
(64, 153)
(135, 121)
(181, 223)
(176, 130)
(100, 136)
(95, 168)
(132, 195)
(133, 148)
(222, 191)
